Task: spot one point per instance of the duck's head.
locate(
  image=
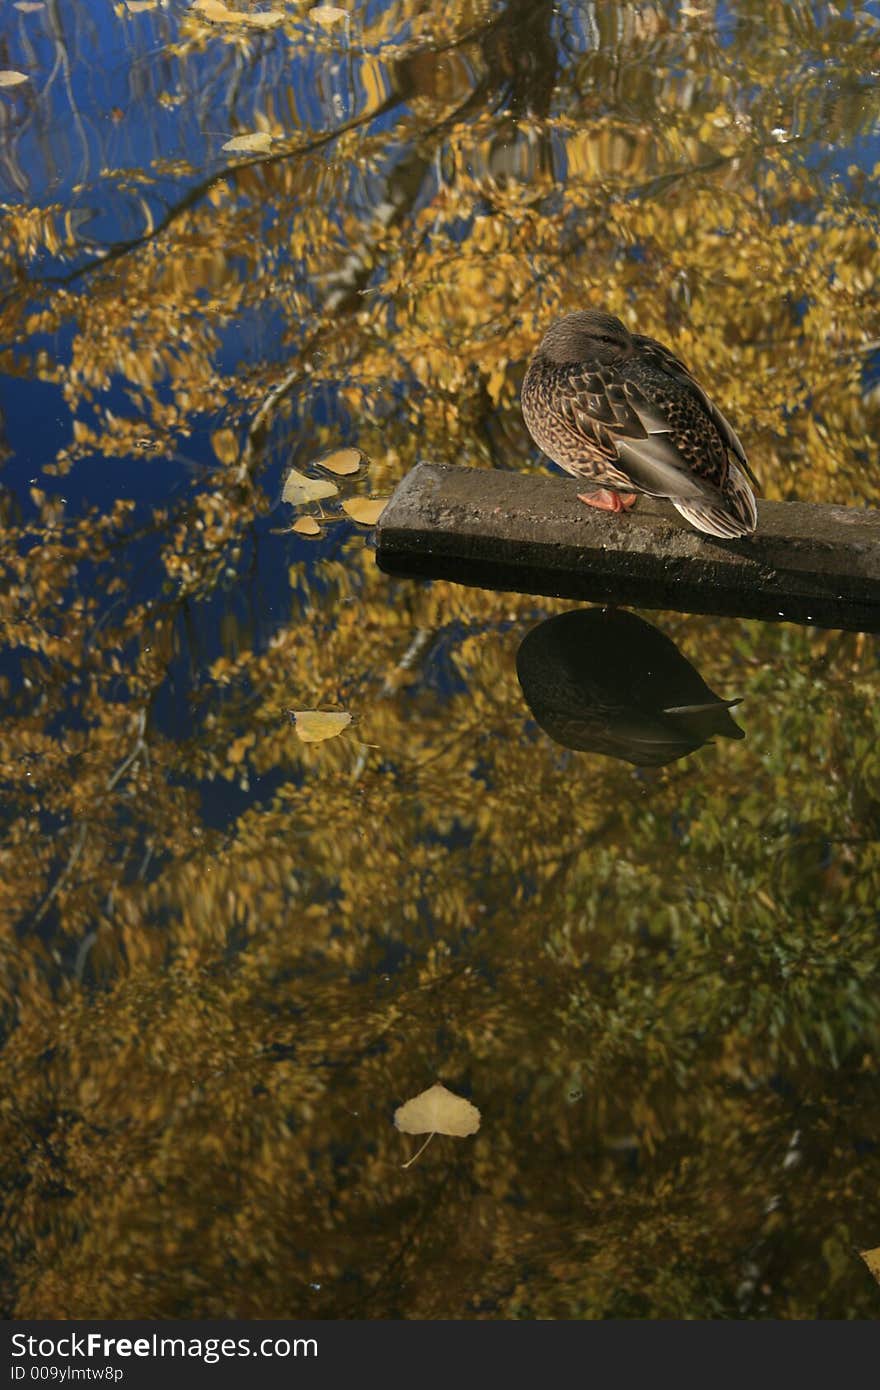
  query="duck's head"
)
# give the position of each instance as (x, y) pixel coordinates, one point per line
(587, 336)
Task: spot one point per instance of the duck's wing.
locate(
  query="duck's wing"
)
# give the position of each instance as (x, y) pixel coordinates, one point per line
(633, 437)
(585, 408)
(679, 372)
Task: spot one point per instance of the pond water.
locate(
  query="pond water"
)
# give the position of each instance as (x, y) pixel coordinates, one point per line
(235, 941)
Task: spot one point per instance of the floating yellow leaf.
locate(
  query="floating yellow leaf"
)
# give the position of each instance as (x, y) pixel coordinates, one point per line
(138, 6)
(257, 143)
(298, 488)
(11, 78)
(29, 6)
(314, 725)
(366, 510)
(327, 14)
(436, 1111)
(342, 461)
(872, 1260)
(306, 526)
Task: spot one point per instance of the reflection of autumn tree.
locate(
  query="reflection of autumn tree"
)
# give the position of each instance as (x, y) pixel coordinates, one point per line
(257, 1008)
(229, 955)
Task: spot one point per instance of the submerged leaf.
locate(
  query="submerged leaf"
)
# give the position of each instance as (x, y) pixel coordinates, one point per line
(314, 725)
(267, 20)
(342, 461)
(298, 488)
(11, 78)
(437, 1111)
(257, 143)
(366, 510)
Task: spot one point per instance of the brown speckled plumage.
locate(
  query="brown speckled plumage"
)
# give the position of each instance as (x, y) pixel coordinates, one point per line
(619, 411)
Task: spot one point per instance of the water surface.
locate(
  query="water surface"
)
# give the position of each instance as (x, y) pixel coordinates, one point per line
(229, 954)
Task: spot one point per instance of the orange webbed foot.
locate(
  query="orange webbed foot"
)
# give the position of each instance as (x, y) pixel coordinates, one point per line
(607, 501)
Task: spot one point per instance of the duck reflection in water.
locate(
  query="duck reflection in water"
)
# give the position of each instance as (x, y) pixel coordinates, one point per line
(604, 681)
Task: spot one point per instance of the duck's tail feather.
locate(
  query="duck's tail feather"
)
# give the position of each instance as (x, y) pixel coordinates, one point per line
(737, 517)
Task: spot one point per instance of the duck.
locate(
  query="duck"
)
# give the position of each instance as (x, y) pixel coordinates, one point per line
(623, 414)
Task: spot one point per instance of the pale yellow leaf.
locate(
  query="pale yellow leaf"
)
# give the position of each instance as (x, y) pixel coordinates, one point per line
(138, 6)
(872, 1260)
(366, 510)
(257, 143)
(298, 488)
(314, 725)
(11, 78)
(342, 461)
(29, 6)
(437, 1111)
(327, 14)
(306, 526)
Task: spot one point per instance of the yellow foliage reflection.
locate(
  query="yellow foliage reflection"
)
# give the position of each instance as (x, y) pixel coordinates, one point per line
(229, 953)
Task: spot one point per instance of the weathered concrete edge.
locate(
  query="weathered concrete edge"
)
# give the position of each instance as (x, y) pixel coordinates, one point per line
(529, 534)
